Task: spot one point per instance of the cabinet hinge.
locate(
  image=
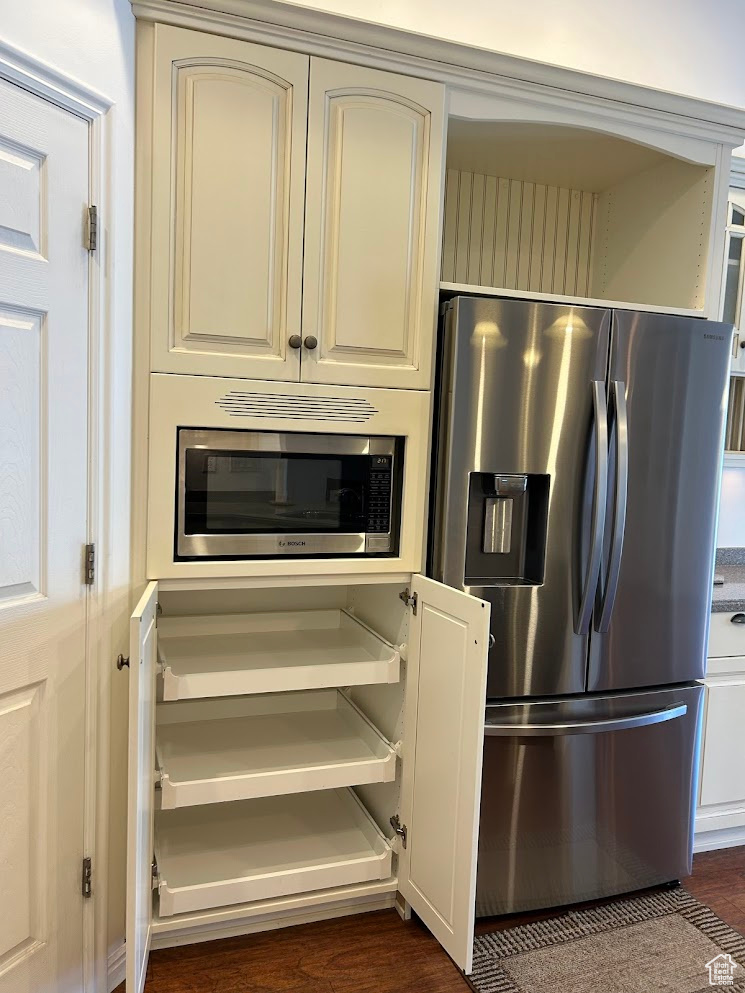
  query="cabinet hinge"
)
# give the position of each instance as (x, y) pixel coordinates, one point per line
(91, 229)
(410, 599)
(400, 829)
(87, 878)
(154, 874)
(89, 565)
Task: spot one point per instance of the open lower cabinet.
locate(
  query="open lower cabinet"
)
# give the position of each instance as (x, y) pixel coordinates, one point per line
(299, 753)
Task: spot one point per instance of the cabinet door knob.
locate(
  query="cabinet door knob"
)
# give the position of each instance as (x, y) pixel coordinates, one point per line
(294, 341)
(738, 619)
(310, 341)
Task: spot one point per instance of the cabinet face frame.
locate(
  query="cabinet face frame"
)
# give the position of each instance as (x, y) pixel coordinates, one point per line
(389, 290)
(192, 72)
(193, 401)
(447, 659)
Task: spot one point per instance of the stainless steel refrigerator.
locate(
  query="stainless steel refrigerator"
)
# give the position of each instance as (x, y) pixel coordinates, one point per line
(577, 468)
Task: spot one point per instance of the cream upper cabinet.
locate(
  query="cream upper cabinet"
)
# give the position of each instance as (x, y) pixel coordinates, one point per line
(731, 309)
(372, 222)
(228, 177)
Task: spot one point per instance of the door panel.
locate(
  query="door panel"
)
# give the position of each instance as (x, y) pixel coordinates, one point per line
(518, 391)
(445, 695)
(375, 144)
(228, 187)
(44, 185)
(723, 771)
(606, 808)
(675, 373)
(143, 659)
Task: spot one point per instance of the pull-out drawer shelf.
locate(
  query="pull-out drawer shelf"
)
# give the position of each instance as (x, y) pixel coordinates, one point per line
(225, 854)
(210, 751)
(239, 654)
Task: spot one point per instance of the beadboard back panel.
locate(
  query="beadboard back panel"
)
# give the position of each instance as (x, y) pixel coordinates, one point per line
(517, 235)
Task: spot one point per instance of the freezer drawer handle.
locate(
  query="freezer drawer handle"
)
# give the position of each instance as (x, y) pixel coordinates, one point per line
(585, 727)
(600, 414)
(619, 504)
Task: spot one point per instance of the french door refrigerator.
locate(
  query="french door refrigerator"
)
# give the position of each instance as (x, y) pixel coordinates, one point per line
(577, 462)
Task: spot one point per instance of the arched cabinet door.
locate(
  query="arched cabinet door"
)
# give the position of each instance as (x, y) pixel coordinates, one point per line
(228, 169)
(372, 226)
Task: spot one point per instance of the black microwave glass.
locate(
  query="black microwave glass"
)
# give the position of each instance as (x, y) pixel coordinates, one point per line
(285, 493)
(245, 494)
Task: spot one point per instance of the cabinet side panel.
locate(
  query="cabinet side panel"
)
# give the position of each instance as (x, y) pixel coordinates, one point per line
(652, 241)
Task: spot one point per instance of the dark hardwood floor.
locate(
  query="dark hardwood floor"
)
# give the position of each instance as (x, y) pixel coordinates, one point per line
(377, 952)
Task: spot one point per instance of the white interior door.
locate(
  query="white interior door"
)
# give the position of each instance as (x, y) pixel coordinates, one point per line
(43, 520)
(143, 659)
(441, 783)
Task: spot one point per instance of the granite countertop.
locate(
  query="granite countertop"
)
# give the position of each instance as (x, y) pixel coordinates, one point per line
(731, 567)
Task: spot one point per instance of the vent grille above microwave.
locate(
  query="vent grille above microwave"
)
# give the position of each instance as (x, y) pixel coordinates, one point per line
(285, 406)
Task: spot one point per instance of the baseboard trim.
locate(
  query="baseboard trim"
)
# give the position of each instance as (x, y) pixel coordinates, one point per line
(117, 967)
(711, 841)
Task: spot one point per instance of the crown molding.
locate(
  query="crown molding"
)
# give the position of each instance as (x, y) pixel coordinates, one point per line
(285, 25)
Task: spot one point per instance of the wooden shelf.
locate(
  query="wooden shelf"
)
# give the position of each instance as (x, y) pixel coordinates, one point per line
(239, 654)
(225, 854)
(239, 749)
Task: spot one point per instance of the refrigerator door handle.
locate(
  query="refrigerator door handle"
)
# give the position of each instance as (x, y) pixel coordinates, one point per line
(600, 415)
(620, 498)
(586, 727)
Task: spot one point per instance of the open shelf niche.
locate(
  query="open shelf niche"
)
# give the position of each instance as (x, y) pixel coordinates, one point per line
(276, 752)
(569, 212)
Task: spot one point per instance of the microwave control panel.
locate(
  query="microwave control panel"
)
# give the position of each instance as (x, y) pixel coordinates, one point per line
(379, 501)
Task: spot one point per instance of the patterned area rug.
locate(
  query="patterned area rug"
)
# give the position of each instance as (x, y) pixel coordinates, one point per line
(664, 942)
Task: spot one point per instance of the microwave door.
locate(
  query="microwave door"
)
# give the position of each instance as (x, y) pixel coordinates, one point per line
(244, 495)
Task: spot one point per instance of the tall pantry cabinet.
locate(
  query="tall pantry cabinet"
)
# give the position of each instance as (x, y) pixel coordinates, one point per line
(275, 172)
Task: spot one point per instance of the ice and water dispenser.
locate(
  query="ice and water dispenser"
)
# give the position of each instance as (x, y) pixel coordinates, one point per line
(507, 515)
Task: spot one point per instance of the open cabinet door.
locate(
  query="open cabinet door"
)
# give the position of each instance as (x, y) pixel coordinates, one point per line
(143, 657)
(443, 751)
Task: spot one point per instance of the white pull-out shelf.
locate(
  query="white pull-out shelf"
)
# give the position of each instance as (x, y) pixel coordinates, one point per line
(242, 748)
(226, 854)
(239, 654)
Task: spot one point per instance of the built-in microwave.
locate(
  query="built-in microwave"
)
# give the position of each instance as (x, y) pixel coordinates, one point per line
(259, 494)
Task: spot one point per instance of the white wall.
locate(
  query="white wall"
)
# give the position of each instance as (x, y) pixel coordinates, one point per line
(684, 46)
(93, 41)
(731, 532)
